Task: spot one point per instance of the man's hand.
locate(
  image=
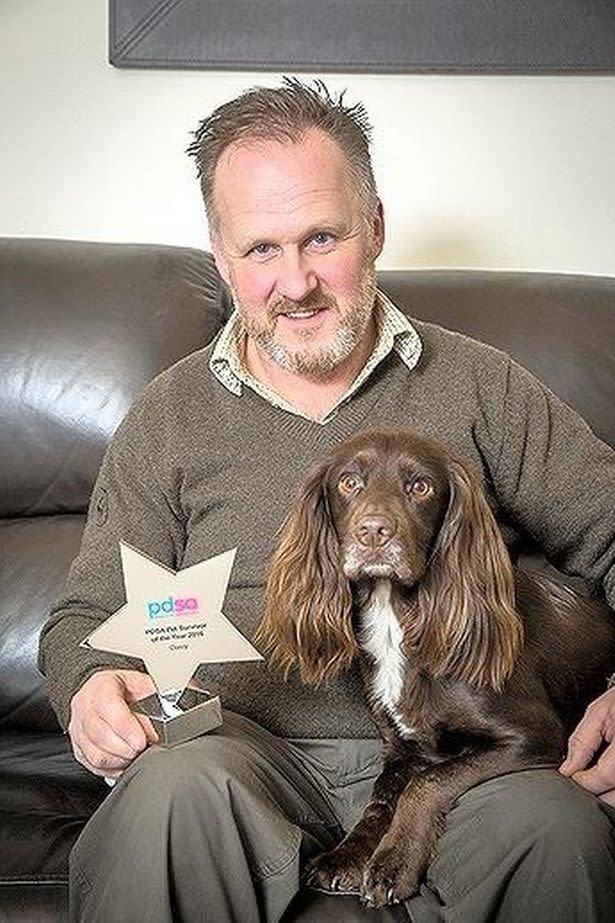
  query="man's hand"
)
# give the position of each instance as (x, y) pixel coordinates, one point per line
(597, 727)
(105, 734)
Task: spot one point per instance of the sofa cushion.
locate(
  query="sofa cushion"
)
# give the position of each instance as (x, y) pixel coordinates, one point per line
(35, 554)
(45, 799)
(22, 903)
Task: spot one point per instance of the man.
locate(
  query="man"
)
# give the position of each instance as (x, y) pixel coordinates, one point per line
(210, 456)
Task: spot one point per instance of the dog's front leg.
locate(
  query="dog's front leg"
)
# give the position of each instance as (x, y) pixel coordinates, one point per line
(342, 869)
(397, 866)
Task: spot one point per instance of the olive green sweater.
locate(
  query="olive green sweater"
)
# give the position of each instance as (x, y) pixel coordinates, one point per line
(194, 470)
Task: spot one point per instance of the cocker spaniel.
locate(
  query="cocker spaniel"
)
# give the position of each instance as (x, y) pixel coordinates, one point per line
(471, 668)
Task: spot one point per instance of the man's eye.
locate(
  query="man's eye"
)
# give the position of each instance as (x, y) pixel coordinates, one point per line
(350, 483)
(262, 251)
(323, 240)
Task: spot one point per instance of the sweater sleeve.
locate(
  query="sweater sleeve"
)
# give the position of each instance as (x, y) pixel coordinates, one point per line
(128, 503)
(557, 480)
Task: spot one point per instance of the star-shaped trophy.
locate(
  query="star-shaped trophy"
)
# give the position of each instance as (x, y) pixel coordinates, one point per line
(173, 621)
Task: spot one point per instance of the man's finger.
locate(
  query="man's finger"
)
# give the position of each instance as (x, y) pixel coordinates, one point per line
(148, 727)
(124, 723)
(593, 780)
(98, 763)
(139, 686)
(113, 743)
(601, 777)
(583, 743)
(103, 743)
(136, 685)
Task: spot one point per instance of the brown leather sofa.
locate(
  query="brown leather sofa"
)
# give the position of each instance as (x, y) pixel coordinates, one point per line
(84, 327)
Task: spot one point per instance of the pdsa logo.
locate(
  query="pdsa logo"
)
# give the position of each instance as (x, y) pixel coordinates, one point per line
(158, 609)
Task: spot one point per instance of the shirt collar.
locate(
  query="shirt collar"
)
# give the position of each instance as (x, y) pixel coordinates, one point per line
(394, 332)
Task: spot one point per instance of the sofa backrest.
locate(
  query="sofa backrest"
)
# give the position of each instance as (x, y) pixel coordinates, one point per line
(85, 326)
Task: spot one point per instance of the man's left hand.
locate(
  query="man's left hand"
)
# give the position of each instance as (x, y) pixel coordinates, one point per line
(596, 728)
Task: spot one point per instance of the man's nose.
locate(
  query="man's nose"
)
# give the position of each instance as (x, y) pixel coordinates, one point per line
(374, 530)
(296, 278)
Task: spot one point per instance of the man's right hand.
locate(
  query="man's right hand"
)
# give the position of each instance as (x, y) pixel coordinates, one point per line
(105, 734)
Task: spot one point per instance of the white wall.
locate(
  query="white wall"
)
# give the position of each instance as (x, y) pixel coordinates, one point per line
(498, 172)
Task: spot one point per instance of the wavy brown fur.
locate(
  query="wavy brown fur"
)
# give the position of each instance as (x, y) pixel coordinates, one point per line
(308, 609)
(465, 617)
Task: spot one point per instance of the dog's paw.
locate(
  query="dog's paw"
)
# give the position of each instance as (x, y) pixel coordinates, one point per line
(337, 871)
(391, 875)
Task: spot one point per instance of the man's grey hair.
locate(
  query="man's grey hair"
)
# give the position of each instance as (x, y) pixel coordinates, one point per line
(285, 113)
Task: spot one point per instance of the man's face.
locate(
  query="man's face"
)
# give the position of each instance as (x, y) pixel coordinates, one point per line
(297, 250)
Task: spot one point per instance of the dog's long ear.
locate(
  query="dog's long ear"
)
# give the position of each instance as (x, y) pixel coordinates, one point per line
(466, 600)
(308, 605)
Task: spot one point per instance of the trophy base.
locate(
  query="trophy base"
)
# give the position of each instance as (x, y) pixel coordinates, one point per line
(201, 712)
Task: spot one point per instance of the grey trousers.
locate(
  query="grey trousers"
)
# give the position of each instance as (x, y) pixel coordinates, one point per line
(217, 830)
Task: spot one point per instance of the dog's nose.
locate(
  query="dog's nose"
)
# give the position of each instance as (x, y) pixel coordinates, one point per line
(374, 530)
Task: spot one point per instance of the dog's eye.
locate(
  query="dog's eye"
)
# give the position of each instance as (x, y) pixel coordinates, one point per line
(420, 488)
(350, 483)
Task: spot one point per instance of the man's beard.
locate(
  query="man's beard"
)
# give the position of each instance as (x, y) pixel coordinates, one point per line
(320, 362)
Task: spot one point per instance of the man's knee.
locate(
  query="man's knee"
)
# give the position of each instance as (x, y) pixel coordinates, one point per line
(181, 821)
(203, 769)
(168, 794)
(536, 813)
(532, 805)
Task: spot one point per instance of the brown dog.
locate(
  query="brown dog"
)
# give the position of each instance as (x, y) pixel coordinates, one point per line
(471, 669)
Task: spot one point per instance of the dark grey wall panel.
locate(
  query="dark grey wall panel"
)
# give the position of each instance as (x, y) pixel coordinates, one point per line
(446, 36)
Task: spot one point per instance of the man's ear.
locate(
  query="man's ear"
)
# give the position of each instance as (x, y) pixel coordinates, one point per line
(219, 258)
(378, 229)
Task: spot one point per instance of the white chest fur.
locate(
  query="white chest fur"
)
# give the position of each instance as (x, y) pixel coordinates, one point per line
(381, 637)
